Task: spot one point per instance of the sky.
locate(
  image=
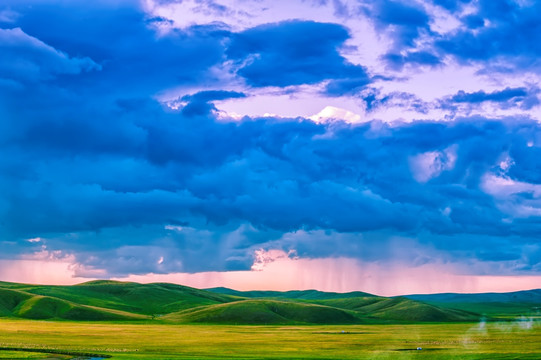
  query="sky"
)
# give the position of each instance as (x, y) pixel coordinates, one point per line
(388, 146)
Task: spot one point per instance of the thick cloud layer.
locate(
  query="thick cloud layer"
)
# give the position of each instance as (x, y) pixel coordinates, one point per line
(498, 30)
(293, 53)
(95, 166)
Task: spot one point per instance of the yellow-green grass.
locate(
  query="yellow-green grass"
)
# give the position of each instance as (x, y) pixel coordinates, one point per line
(109, 300)
(20, 355)
(264, 312)
(497, 309)
(160, 342)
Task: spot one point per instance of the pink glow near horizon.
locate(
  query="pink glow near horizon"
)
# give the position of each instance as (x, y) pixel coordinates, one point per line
(330, 274)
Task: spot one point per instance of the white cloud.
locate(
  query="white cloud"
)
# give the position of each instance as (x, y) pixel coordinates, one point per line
(431, 164)
(174, 228)
(508, 194)
(334, 113)
(506, 163)
(264, 257)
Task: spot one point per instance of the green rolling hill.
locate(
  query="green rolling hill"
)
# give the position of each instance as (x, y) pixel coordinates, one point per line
(136, 298)
(400, 309)
(499, 305)
(526, 296)
(170, 303)
(294, 294)
(18, 303)
(265, 312)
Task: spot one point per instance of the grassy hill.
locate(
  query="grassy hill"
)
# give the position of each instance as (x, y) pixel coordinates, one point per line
(416, 311)
(399, 309)
(500, 305)
(17, 303)
(294, 294)
(526, 296)
(145, 299)
(265, 312)
(170, 303)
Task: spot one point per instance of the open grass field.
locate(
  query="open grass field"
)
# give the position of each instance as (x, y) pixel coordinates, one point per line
(167, 321)
(117, 301)
(513, 340)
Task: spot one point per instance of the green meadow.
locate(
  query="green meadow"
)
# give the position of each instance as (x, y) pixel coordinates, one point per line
(167, 321)
(161, 341)
(169, 303)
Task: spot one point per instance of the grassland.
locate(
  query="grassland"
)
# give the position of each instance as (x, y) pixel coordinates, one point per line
(161, 341)
(169, 303)
(491, 305)
(167, 321)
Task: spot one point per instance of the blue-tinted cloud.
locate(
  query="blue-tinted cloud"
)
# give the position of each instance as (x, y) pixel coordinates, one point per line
(130, 53)
(375, 100)
(451, 5)
(507, 35)
(98, 168)
(405, 23)
(206, 96)
(398, 61)
(26, 59)
(496, 96)
(346, 86)
(405, 19)
(497, 34)
(422, 177)
(292, 53)
(473, 21)
(521, 98)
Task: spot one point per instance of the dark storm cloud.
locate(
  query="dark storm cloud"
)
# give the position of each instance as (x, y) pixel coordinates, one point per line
(506, 36)
(375, 100)
(292, 53)
(496, 96)
(405, 23)
(451, 5)
(497, 34)
(201, 103)
(405, 20)
(346, 86)
(97, 168)
(329, 176)
(473, 21)
(398, 61)
(26, 59)
(119, 38)
(508, 98)
(206, 96)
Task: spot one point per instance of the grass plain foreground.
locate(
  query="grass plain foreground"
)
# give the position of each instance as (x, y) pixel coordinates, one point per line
(505, 340)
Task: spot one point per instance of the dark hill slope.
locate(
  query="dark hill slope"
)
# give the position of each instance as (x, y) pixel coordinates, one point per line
(10, 299)
(265, 312)
(501, 305)
(527, 296)
(294, 294)
(131, 297)
(17, 303)
(400, 309)
(415, 311)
